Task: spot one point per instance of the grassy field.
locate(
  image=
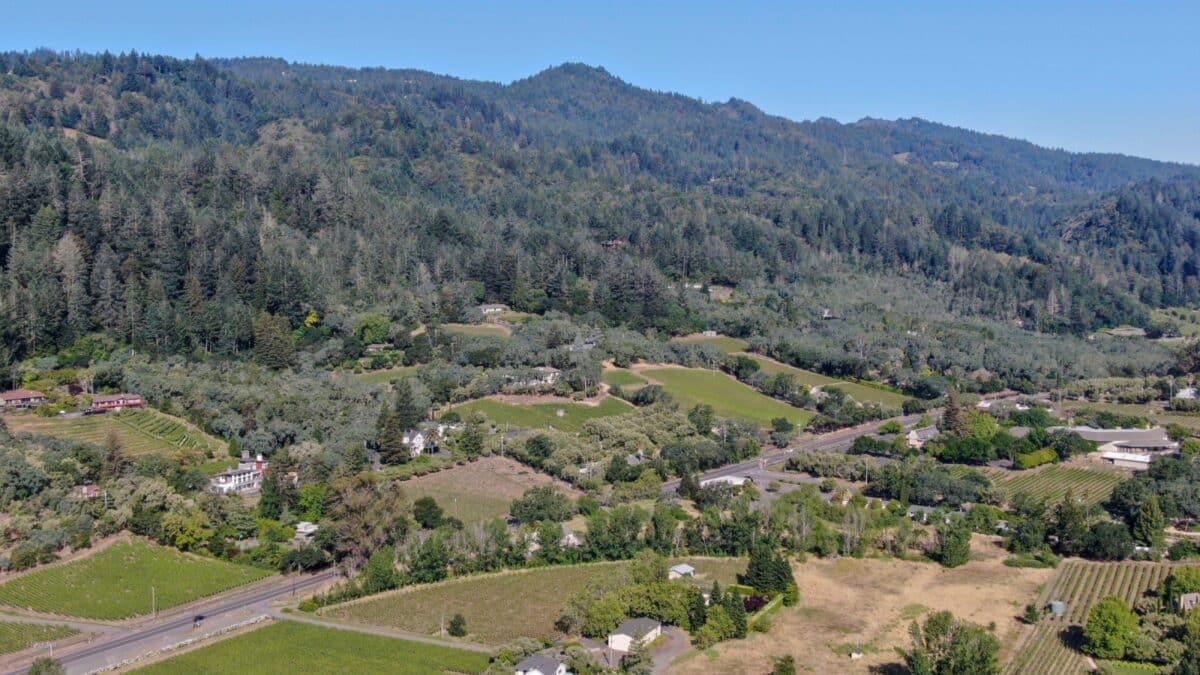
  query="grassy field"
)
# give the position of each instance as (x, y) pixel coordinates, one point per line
(287, 647)
(477, 329)
(1188, 319)
(480, 490)
(541, 415)
(1152, 411)
(386, 375)
(727, 396)
(1052, 482)
(115, 582)
(622, 378)
(1048, 649)
(140, 431)
(503, 606)
(15, 636)
(724, 343)
(860, 392)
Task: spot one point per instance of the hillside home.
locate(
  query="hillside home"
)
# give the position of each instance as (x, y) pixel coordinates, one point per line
(641, 631)
(117, 401)
(491, 309)
(305, 531)
(22, 398)
(680, 571)
(86, 491)
(541, 664)
(917, 438)
(415, 441)
(1127, 460)
(236, 481)
(257, 462)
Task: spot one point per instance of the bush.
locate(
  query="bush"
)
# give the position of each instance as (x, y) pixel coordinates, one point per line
(458, 626)
(1028, 460)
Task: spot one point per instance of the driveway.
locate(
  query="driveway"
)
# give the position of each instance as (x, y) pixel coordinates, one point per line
(674, 643)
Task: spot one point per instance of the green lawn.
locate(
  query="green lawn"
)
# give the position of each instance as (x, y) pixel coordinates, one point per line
(140, 431)
(1187, 319)
(724, 343)
(477, 329)
(541, 415)
(860, 392)
(115, 582)
(727, 396)
(622, 378)
(15, 636)
(386, 375)
(287, 647)
(503, 606)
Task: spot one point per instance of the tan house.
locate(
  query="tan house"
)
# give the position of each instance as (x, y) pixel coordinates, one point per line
(641, 631)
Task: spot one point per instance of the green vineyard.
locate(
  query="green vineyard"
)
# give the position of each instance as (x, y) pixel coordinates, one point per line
(16, 636)
(1052, 646)
(169, 430)
(140, 431)
(1091, 486)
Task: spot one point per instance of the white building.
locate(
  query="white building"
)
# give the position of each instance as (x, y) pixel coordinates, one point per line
(1128, 460)
(734, 481)
(236, 481)
(305, 531)
(415, 441)
(917, 438)
(493, 309)
(681, 570)
(641, 631)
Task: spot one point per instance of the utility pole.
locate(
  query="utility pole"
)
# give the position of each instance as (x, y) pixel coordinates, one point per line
(153, 602)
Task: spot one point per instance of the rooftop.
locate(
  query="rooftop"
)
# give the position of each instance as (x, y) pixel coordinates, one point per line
(539, 662)
(635, 627)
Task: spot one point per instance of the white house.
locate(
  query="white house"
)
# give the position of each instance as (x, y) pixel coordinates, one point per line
(917, 438)
(1128, 460)
(734, 481)
(640, 631)
(681, 570)
(540, 664)
(236, 480)
(257, 462)
(1187, 394)
(305, 531)
(415, 441)
(493, 309)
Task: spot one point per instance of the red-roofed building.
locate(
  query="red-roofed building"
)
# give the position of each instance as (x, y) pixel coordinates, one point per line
(118, 401)
(22, 398)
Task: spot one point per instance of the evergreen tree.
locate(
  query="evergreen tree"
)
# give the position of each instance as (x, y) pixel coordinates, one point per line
(458, 626)
(1148, 523)
(767, 571)
(732, 602)
(954, 419)
(273, 341)
(407, 413)
(953, 544)
(270, 499)
(389, 439)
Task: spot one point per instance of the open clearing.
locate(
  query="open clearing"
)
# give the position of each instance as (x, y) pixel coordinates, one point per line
(286, 647)
(543, 415)
(480, 490)
(727, 396)
(15, 636)
(1154, 411)
(869, 604)
(1047, 648)
(622, 378)
(115, 582)
(140, 431)
(724, 343)
(386, 376)
(503, 606)
(478, 329)
(859, 392)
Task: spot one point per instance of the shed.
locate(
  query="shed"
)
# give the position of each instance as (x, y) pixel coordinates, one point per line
(681, 570)
(1188, 601)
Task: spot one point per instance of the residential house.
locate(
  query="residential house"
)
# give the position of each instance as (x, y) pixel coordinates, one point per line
(415, 441)
(494, 308)
(86, 491)
(236, 481)
(257, 462)
(709, 333)
(1189, 601)
(680, 571)
(305, 531)
(1187, 394)
(22, 398)
(641, 631)
(541, 664)
(376, 347)
(118, 401)
(917, 438)
(570, 539)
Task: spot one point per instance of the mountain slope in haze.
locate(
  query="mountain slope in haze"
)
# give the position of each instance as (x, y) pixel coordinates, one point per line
(169, 201)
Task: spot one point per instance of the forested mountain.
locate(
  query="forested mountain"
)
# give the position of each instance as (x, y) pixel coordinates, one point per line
(170, 202)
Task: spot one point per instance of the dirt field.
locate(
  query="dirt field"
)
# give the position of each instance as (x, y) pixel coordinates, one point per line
(848, 604)
(480, 490)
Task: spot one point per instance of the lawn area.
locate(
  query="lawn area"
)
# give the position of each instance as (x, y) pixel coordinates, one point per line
(725, 343)
(140, 431)
(477, 329)
(501, 607)
(479, 490)
(541, 415)
(386, 375)
(622, 378)
(727, 396)
(15, 636)
(115, 582)
(860, 392)
(286, 647)
(1188, 319)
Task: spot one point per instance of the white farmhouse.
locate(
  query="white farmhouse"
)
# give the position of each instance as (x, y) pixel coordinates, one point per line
(632, 632)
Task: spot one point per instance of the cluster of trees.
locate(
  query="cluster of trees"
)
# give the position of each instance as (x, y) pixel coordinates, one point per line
(1155, 630)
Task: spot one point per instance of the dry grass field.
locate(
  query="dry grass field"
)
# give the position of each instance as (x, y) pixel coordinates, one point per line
(868, 604)
(480, 490)
(503, 606)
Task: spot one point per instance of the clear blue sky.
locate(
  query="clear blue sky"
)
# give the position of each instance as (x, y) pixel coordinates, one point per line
(1106, 76)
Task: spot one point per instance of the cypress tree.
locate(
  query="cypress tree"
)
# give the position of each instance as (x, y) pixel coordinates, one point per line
(1148, 523)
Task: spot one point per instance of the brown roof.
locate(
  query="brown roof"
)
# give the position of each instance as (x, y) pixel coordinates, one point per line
(18, 394)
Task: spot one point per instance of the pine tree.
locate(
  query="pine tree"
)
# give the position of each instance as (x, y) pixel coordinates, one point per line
(1148, 523)
(270, 501)
(405, 409)
(732, 602)
(273, 341)
(390, 438)
(954, 420)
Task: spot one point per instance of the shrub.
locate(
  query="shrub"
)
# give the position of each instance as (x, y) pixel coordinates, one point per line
(458, 626)
(1028, 460)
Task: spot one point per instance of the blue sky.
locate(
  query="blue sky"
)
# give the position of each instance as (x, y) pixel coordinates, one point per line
(1105, 76)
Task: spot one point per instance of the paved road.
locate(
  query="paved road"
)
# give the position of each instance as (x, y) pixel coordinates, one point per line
(221, 612)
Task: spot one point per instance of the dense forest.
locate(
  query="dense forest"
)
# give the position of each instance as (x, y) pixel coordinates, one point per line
(195, 206)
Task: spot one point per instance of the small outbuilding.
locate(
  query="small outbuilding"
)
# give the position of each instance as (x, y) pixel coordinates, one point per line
(680, 571)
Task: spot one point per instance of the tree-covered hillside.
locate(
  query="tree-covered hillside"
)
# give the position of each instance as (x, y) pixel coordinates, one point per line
(171, 202)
